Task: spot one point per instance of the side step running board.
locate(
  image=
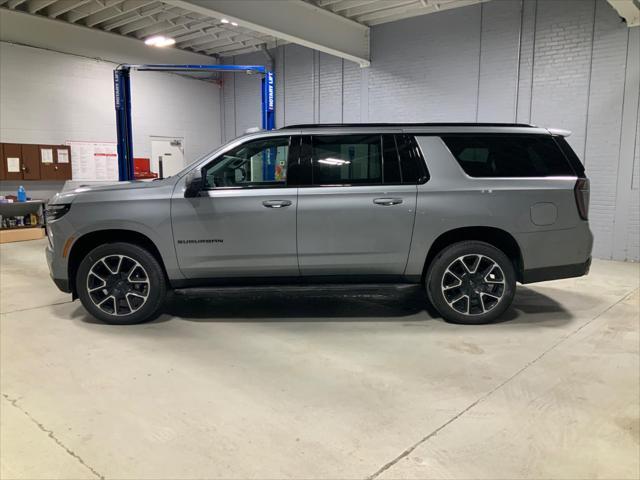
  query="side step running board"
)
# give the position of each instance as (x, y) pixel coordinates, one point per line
(315, 288)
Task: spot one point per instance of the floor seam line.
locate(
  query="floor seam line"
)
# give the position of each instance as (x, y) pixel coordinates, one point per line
(408, 451)
(51, 435)
(35, 308)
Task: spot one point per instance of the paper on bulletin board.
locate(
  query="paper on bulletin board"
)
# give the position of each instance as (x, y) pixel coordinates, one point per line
(63, 155)
(46, 155)
(96, 161)
(13, 165)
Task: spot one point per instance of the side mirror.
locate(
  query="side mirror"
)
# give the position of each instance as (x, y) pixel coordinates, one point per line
(193, 184)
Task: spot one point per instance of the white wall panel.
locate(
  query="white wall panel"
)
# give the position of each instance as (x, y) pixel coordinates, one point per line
(499, 60)
(426, 68)
(604, 122)
(48, 97)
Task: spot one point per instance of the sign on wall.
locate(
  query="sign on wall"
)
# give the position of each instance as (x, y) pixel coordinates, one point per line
(94, 161)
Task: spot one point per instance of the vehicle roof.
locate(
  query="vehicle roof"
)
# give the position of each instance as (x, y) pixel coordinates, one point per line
(414, 128)
(402, 125)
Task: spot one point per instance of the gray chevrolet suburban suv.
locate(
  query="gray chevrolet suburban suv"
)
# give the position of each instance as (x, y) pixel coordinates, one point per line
(466, 210)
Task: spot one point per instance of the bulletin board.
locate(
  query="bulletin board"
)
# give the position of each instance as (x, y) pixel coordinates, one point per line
(94, 161)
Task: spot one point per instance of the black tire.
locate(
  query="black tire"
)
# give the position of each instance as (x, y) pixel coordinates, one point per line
(138, 287)
(452, 276)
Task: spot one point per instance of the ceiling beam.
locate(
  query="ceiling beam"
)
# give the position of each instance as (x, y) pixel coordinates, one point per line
(234, 46)
(130, 17)
(63, 7)
(116, 10)
(324, 3)
(293, 21)
(347, 4)
(223, 42)
(86, 10)
(36, 5)
(14, 3)
(41, 32)
(380, 7)
(629, 10)
(401, 13)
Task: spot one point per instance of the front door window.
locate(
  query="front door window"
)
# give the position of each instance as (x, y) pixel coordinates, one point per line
(255, 164)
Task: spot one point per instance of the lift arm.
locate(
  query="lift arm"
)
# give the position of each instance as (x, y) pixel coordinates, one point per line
(122, 91)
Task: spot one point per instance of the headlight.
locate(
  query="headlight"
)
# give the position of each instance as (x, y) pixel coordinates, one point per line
(54, 212)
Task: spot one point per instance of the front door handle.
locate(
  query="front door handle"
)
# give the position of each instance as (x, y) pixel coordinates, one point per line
(387, 201)
(276, 203)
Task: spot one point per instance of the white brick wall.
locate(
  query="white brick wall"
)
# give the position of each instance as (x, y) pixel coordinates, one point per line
(571, 71)
(499, 61)
(48, 97)
(604, 122)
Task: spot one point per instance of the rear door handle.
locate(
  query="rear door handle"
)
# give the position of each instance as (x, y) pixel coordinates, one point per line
(387, 201)
(276, 203)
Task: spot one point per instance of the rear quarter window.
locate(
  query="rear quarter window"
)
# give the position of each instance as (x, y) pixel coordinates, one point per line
(508, 155)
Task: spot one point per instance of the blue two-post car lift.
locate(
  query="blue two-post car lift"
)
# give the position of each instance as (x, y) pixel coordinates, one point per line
(122, 90)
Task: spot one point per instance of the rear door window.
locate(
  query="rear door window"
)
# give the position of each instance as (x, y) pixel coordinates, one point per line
(508, 155)
(347, 159)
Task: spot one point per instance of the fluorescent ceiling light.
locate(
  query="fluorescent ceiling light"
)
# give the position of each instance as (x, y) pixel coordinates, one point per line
(234, 24)
(333, 161)
(224, 20)
(160, 41)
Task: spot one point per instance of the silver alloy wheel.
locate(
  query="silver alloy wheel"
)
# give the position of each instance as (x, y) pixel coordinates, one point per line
(473, 284)
(118, 285)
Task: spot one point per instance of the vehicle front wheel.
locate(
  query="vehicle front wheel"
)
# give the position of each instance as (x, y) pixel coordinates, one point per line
(121, 283)
(471, 282)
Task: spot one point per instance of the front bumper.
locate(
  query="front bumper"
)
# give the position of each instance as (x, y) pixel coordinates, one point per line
(57, 270)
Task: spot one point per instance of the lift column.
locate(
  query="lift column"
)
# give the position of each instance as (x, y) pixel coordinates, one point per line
(122, 90)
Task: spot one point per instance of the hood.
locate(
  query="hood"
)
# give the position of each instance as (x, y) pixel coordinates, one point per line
(80, 188)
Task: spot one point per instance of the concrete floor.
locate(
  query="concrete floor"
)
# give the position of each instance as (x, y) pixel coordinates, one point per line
(319, 386)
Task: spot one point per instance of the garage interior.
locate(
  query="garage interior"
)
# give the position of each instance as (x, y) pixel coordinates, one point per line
(318, 384)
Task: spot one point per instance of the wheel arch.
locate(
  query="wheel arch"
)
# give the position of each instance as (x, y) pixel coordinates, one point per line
(497, 237)
(87, 242)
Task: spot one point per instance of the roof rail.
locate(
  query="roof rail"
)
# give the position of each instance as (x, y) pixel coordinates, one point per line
(398, 125)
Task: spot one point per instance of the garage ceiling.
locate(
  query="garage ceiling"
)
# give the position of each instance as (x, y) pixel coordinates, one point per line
(202, 27)
(375, 12)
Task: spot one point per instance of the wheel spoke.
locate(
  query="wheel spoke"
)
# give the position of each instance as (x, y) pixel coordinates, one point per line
(109, 297)
(489, 274)
(458, 280)
(119, 264)
(476, 264)
(107, 265)
(129, 303)
(104, 282)
(135, 294)
(497, 297)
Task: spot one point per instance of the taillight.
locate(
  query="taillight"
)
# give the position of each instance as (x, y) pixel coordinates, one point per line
(581, 191)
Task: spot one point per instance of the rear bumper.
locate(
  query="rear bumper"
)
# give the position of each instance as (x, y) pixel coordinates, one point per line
(556, 272)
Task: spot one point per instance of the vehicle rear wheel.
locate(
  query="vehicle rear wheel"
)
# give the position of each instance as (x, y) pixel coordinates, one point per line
(121, 284)
(471, 282)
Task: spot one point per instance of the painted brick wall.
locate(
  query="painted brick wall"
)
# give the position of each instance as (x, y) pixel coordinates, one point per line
(565, 64)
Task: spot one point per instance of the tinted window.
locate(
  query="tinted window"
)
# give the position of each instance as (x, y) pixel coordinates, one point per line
(260, 163)
(410, 159)
(346, 159)
(508, 155)
(571, 156)
(390, 160)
